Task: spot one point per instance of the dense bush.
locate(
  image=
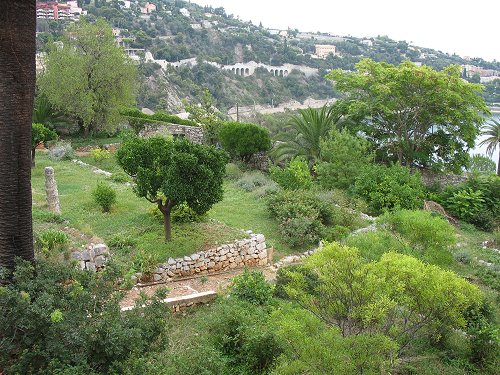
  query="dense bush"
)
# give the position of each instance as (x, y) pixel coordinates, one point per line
(372, 245)
(474, 201)
(59, 320)
(233, 171)
(252, 180)
(295, 176)
(301, 216)
(252, 287)
(423, 229)
(182, 213)
(244, 139)
(104, 195)
(343, 157)
(389, 188)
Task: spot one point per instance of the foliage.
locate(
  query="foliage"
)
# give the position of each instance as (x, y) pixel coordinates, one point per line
(39, 135)
(233, 171)
(301, 216)
(481, 164)
(433, 127)
(168, 172)
(56, 319)
(492, 131)
(252, 180)
(99, 154)
(305, 133)
(343, 157)
(44, 113)
(89, 78)
(137, 119)
(398, 296)
(251, 286)
(182, 213)
(244, 139)
(372, 245)
(206, 114)
(312, 347)
(104, 195)
(389, 188)
(423, 229)
(466, 204)
(50, 240)
(120, 177)
(62, 151)
(295, 176)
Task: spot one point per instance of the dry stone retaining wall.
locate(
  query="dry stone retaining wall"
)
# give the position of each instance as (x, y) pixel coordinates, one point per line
(248, 252)
(193, 133)
(93, 258)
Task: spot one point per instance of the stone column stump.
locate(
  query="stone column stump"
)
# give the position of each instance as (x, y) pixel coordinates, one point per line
(51, 190)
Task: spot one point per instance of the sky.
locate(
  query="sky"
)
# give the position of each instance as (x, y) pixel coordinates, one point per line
(465, 28)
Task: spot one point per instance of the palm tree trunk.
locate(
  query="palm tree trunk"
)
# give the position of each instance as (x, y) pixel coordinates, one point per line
(17, 88)
(498, 165)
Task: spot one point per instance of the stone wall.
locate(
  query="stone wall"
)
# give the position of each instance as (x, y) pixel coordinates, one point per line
(193, 133)
(93, 258)
(430, 178)
(248, 252)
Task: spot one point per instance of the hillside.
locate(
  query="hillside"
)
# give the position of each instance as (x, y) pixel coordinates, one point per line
(182, 48)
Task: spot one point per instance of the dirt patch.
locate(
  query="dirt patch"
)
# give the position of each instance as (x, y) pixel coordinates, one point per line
(177, 288)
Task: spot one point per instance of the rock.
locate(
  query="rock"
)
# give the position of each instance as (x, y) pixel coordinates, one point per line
(100, 261)
(90, 266)
(195, 257)
(261, 246)
(171, 261)
(156, 277)
(76, 255)
(187, 259)
(85, 255)
(260, 238)
(100, 249)
(263, 254)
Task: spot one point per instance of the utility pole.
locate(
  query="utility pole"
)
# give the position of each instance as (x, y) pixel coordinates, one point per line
(237, 112)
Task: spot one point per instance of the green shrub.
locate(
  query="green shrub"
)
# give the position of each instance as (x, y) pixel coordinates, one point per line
(389, 188)
(423, 229)
(466, 204)
(343, 157)
(182, 213)
(104, 195)
(120, 242)
(251, 286)
(463, 257)
(51, 239)
(244, 139)
(284, 277)
(233, 172)
(99, 154)
(295, 176)
(302, 216)
(372, 245)
(252, 180)
(120, 177)
(59, 320)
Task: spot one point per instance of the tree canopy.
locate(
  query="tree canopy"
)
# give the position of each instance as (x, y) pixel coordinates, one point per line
(169, 172)
(89, 77)
(415, 115)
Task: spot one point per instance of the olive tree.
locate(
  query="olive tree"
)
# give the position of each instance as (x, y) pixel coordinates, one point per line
(169, 172)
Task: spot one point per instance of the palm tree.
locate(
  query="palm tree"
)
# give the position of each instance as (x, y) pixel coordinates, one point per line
(306, 130)
(17, 88)
(492, 131)
(44, 113)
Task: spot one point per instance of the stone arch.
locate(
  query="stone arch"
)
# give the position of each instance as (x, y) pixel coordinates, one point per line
(233, 70)
(247, 71)
(281, 73)
(286, 73)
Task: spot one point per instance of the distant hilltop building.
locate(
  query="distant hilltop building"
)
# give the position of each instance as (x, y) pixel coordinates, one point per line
(148, 8)
(52, 10)
(323, 50)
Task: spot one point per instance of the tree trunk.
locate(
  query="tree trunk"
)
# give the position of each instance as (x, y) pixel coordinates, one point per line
(51, 191)
(498, 165)
(17, 88)
(167, 225)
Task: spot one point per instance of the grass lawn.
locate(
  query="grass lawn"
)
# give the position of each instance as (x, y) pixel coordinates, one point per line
(128, 219)
(243, 210)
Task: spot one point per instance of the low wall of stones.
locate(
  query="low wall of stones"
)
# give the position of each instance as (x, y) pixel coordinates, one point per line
(248, 252)
(92, 258)
(193, 133)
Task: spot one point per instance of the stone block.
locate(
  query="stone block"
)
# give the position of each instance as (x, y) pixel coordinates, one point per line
(238, 259)
(263, 254)
(211, 265)
(100, 249)
(100, 260)
(260, 238)
(251, 250)
(222, 258)
(156, 277)
(195, 257)
(260, 246)
(85, 255)
(90, 266)
(171, 261)
(76, 255)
